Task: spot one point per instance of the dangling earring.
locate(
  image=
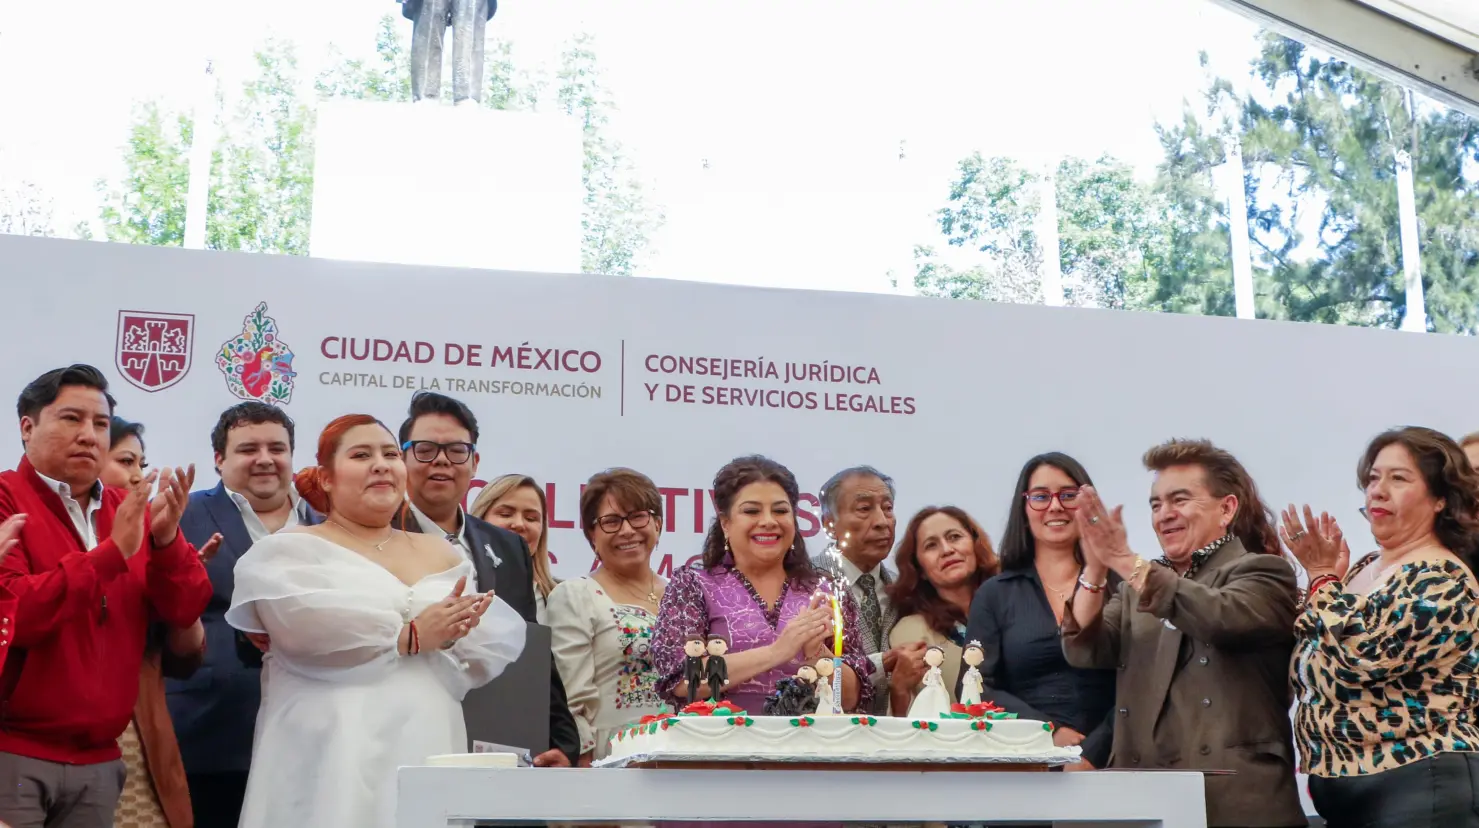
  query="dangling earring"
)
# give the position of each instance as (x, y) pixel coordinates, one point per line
(726, 545)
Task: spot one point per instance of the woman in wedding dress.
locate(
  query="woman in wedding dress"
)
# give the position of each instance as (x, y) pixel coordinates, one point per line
(370, 643)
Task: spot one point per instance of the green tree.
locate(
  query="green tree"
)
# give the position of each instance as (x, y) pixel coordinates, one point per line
(1111, 234)
(148, 205)
(618, 219)
(261, 197)
(25, 210)
(1327, 134)
(262, 168)
(385, 77)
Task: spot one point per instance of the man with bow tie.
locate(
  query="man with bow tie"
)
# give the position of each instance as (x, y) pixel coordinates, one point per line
(439, 439)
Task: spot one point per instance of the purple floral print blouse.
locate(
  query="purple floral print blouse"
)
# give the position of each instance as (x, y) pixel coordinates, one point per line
(721, 601)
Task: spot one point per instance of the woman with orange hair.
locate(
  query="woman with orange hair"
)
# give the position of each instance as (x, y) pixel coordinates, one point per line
(371, 643)
(943, 558)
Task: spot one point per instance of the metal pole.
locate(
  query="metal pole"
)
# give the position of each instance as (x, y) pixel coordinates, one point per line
(202, 146)
(1051, 272)
(1416, 316)
(1237, 213)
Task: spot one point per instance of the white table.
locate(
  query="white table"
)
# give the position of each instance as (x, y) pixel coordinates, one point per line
(442, 797)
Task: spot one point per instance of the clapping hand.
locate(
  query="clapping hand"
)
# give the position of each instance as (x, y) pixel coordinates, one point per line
(447, 621)
(1102, 533)
(128, 520)
(10, 535)
(806, 630)
(211, 546)
(1317, 543)
(169, 504)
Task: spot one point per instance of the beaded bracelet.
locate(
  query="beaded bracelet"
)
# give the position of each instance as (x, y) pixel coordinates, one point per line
(1094, 588)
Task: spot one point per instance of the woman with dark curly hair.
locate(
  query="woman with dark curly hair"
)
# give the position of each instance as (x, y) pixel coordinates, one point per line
(757, 589)
(943, 559)
(1387, 676)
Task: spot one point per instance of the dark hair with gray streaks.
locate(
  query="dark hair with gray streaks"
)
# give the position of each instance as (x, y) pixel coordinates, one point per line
(832, 488)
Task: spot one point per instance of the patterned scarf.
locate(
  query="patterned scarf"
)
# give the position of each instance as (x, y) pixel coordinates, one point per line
(1198, 557)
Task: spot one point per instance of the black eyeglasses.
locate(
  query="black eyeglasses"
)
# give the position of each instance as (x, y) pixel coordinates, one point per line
(611, 524)
(425, 451)
(1043, 501)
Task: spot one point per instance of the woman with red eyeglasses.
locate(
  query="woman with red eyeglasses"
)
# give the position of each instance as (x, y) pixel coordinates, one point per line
(1016, 615)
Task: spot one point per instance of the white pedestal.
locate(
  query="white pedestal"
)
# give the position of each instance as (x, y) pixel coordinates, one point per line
(434, 184)
(442, 797)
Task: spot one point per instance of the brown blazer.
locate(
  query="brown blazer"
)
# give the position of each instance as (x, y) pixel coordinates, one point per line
(1204, 680)
(157, 733)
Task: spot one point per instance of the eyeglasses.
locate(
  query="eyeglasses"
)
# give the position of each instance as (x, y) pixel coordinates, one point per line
(425, 451)
(611, 524)
(1043, 501)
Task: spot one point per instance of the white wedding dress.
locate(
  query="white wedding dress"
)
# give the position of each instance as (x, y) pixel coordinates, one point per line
(341, 709)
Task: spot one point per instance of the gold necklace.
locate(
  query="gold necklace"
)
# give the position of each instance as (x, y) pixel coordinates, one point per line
(652, 596)
(379, 547)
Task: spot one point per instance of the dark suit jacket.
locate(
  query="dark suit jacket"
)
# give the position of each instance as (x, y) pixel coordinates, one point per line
(1204, 680)
(1024, 670)
(411, 8)
(215, 710)
(501, 560)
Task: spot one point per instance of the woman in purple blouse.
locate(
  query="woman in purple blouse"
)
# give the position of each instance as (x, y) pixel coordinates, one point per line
(757, 589)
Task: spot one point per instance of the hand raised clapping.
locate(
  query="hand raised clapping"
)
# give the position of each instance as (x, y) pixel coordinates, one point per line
(10, 534)
(805, 631)
(447, 621)
(1102, 533)
(1317, 543)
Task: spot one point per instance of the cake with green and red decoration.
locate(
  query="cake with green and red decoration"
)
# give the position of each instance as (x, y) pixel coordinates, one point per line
(979, 733)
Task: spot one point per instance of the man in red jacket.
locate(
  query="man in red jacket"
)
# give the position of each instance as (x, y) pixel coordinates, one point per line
(92, 568)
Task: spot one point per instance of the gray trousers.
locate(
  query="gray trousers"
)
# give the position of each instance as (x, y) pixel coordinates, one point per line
(35, 793)
(469, 21)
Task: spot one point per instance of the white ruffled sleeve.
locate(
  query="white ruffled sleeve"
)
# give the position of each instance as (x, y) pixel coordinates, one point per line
(327, 621)
(481, 655)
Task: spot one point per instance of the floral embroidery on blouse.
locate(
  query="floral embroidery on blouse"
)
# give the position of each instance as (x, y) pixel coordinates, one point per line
(636, 681)
(720, 601)
(1388, 678)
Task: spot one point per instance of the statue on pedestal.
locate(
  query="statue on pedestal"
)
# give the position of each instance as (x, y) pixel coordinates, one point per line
(430, 19)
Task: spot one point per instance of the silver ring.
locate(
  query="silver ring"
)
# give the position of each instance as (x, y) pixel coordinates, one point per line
(1295, 538)
(1094, 519)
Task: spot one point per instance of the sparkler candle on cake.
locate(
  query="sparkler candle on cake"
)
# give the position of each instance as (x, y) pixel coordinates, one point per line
(836, 656)
(831, 683)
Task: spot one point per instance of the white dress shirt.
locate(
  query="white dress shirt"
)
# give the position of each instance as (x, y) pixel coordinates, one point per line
(85, 520)
(256, 529)
(459, 540)
(851, 572)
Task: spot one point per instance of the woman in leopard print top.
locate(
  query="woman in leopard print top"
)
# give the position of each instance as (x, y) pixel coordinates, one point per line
(1387, 676)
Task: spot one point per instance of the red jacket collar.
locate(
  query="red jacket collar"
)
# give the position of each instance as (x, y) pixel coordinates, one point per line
(49, 496)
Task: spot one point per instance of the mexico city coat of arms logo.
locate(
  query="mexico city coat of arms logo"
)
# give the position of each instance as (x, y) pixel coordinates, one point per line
(153, 350)
(256, 363)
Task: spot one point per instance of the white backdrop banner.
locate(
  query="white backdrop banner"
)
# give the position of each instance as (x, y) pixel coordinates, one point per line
(572, 374)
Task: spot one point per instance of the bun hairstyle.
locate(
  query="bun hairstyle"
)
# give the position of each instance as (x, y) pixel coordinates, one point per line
(310, 481)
